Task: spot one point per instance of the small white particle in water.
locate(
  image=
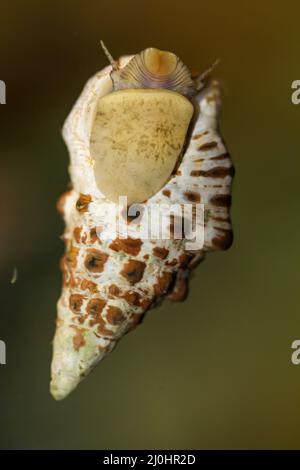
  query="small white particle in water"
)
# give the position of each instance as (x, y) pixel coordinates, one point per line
(14, 276)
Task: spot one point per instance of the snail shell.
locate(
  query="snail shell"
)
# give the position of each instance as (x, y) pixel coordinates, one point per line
(110, 282)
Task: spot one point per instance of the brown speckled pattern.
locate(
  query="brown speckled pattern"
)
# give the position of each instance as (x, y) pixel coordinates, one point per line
(109, 284)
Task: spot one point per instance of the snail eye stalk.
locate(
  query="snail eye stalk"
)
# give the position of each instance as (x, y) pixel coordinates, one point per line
(110, 58)
(199, 82)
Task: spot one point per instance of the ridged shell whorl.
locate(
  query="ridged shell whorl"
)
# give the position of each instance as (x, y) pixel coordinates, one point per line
(153, 68)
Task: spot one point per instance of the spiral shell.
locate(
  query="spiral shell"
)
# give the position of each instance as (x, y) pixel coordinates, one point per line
(110, 282)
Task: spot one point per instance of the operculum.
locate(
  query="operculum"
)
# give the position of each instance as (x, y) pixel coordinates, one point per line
(137, 137)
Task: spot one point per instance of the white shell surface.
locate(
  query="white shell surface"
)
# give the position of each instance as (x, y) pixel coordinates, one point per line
(100, 300)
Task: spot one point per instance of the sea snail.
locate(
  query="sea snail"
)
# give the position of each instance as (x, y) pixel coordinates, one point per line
(144, 129)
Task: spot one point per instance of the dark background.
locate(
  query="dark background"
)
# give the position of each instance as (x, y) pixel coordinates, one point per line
(214, 372)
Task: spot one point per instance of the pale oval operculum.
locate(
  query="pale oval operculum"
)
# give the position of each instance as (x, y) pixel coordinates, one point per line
(136, 140)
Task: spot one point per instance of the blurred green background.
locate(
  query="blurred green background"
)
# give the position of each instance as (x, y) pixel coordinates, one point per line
(223, 378)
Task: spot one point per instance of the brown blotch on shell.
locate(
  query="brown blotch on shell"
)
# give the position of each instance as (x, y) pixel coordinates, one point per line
(184, 259)
(224, 241)
(114, 290)
(208, 146)
(83, 202)
(198, 136)
(75, 302)
(216, 172)
(221, 200)
(221, 219)
(93, 235)
(163, 283)
(136, 299)
(223, 156)
(102, 328)
(131, 246)
(131, 297)
(145, 304)
(160, 252)
(78, 338)
(173, 262)
(81, 319)
(95, 261)
(115, 315)
(195, 173)
(133, 271)
(77, 233)
(180, 289)
(70, 257)
(192, 196)
(166, 192)
(95, 307)
(89, 285)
